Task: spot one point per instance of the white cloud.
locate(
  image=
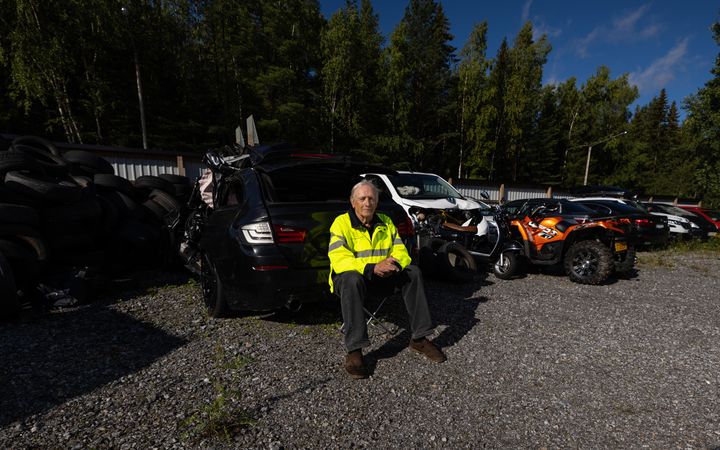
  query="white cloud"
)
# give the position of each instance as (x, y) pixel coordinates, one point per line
(622, 29)
(540, 28)
(525, 11)
(658, 74)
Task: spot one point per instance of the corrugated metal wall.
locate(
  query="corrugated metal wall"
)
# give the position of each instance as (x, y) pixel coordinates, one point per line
(133, 168)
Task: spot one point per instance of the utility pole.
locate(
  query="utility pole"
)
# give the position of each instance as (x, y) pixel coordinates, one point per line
(587, 161)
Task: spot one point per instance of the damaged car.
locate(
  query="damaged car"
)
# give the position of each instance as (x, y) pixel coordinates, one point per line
(263, 244)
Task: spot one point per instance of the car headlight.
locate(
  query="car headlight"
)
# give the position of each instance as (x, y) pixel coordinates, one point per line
(674, 222)
(694, 225)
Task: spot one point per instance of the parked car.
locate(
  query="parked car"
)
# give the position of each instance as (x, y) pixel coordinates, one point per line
(710, 214)
(423, 190)
(264, 244)
(558, 206)
(648, 230)
(700, 227)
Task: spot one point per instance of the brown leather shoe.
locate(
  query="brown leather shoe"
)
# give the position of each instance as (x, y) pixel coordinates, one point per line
(427, 348)
(355, 366)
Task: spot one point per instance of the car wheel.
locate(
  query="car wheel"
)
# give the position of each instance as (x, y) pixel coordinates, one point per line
(212, 289)
(456, 262)
(628, 263)
(588, 262)
(510, 266)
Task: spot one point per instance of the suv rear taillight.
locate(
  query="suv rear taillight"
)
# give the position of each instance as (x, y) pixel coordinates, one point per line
(405, 228)
(257, 233)
(289, 235)
(643, 223)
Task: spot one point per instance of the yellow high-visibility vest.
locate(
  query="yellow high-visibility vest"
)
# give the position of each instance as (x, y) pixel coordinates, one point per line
(352, 248)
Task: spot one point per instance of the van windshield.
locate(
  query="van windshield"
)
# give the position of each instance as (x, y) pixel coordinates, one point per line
(422, 186)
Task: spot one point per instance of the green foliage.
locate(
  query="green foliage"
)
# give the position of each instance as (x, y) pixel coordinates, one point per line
(418, 85)
(351, 47)
(68, 71)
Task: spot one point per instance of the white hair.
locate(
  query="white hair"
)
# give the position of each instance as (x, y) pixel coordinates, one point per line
(364, 183)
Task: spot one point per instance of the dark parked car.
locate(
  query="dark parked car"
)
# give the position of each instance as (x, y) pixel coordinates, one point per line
(264, 246)
(556, 206)
(649, 230)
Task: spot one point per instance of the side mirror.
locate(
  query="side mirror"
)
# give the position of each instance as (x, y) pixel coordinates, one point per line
(484, 195)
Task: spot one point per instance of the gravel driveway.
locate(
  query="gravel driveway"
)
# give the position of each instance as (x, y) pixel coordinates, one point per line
(533, 362)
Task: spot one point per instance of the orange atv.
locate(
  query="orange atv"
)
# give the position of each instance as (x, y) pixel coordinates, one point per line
(589, 251)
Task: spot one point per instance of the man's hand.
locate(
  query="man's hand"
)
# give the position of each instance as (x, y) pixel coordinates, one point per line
(386, 267)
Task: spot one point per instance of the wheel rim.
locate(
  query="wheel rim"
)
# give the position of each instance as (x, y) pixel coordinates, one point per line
(585, 263)
(504, 266)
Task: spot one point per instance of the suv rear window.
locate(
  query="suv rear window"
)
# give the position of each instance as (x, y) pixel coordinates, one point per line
(309, 184)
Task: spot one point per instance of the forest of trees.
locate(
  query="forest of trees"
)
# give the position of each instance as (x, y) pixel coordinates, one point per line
(73, 70)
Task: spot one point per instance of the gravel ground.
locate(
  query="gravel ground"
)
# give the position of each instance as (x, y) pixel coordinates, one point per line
(533, 362)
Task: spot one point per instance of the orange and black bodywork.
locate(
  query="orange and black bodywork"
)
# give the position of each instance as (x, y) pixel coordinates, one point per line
(546, 240)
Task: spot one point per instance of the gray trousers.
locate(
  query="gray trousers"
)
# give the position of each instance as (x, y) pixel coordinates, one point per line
(352, 288)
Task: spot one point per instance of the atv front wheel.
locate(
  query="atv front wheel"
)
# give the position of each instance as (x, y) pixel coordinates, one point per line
(588, 262)
(510, 266)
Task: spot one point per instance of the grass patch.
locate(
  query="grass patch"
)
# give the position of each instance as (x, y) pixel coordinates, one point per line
(222, 418)
(664, 257)
(218, 419)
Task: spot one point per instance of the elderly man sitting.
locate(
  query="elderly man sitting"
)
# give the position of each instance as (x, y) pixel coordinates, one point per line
(365, 253)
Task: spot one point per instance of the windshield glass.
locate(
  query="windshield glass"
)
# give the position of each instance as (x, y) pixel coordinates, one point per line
(637, 205)
(673, 210)
(422, 186)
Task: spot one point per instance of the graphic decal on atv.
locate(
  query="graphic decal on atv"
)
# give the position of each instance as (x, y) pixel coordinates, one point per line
(545, 232)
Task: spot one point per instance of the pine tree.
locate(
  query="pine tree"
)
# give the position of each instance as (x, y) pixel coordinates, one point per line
(477, 113)
(351, 57)
(702, 131)
(418, 85)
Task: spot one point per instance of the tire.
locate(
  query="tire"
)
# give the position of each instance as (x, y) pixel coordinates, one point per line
(115, 182)
(511, 267)
(124, 205)
(18, 214)
(149, 183)
(37, 142)
(212, 289)
(52, 164)
(175, 179)
(167, 201)
(88, 163)
(154, 209)
(588, 262)
(9, 302)
(11, 161)
(87, 210)
(456, 263)
(43, 188)
(628, 264)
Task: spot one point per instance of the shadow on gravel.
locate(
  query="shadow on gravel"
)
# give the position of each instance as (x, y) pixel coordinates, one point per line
(453, 308)
(60, 356)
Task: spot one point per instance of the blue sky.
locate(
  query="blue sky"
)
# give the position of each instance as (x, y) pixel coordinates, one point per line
(660, 44)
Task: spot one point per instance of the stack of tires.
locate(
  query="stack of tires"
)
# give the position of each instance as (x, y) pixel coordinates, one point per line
(60, 211)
